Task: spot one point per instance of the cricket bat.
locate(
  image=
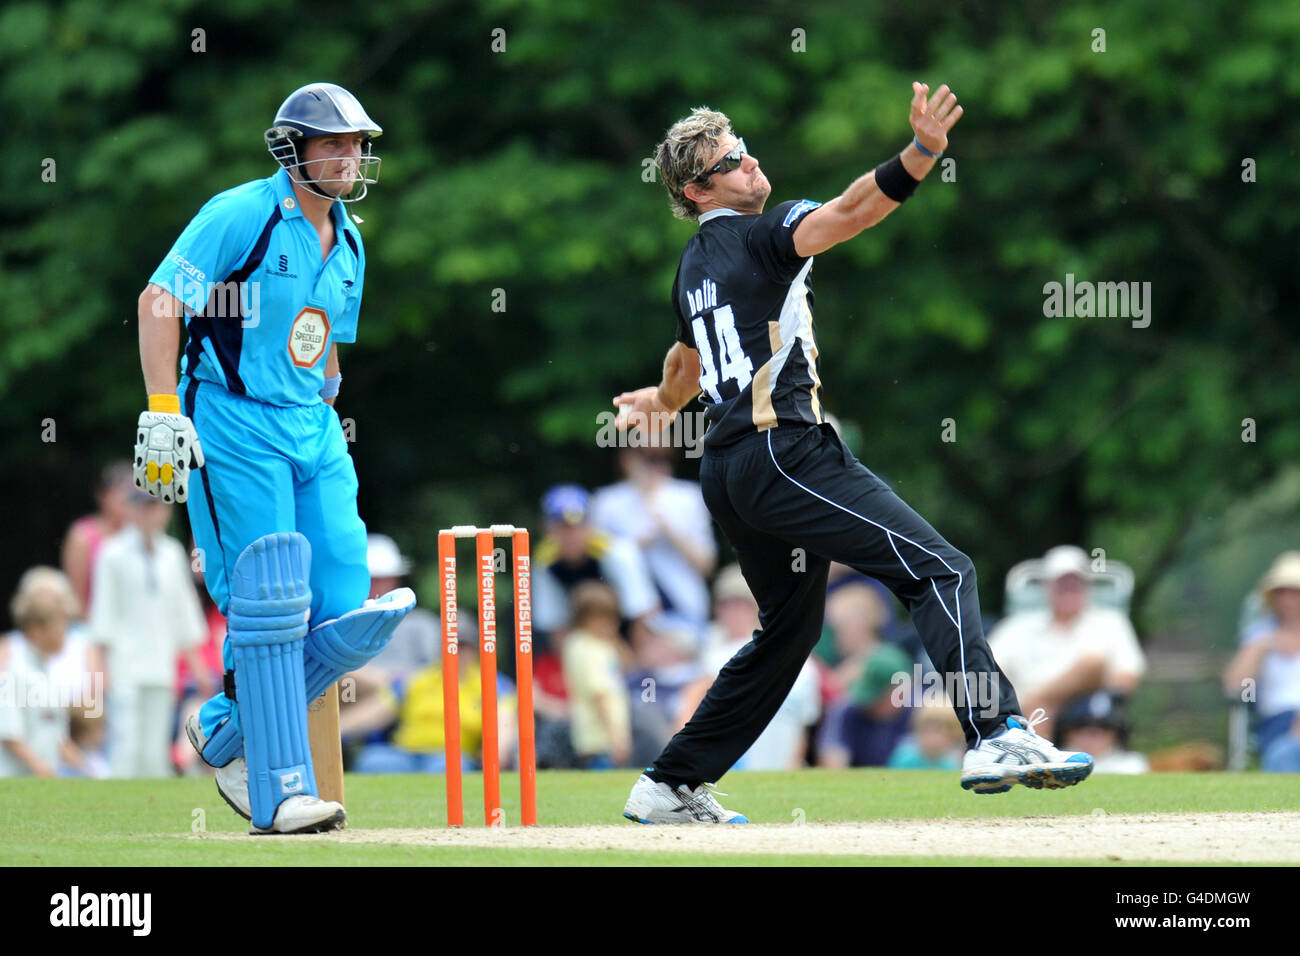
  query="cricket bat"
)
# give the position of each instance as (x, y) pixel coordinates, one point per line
(326, 746)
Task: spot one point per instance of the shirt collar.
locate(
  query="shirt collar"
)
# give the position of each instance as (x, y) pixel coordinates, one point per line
(715, 213)
(289, 207)
(284, 196)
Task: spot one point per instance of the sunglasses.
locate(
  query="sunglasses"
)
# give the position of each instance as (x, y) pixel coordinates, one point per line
(726, 164)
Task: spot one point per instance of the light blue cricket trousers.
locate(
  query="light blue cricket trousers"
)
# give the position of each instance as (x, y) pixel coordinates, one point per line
(273, 468)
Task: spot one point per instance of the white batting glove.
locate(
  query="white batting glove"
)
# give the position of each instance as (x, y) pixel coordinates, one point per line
(167, 450)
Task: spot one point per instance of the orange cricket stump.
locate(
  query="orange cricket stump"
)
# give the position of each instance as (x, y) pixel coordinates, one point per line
(450, 677)
(487, 663)
(485, 581)
(523, 607)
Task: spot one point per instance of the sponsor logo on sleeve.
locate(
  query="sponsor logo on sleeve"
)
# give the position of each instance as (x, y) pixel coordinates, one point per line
(187, 267)
(797, 210)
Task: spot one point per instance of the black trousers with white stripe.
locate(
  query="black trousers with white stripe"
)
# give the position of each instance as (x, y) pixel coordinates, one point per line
(791, 501)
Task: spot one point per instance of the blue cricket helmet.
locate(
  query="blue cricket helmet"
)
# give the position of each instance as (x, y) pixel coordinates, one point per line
(319, 109)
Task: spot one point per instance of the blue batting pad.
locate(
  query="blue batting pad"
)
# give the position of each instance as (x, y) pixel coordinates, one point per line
(333, 648)
(269, 603)
(225, 744)
(336, 647)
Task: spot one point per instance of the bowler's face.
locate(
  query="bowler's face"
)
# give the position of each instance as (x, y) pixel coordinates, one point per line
(745, 188)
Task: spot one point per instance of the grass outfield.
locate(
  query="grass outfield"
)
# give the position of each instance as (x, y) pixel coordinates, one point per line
(182, 822)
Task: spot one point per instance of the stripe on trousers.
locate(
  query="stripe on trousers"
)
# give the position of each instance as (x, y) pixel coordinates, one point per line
(890, 535)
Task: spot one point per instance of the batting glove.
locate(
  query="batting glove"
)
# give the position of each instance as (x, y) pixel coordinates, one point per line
(167, 450)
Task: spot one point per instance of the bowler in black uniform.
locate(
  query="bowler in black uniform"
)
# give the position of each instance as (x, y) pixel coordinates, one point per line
(785, 490)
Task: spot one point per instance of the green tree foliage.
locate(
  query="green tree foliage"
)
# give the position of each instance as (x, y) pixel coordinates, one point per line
(521, 170)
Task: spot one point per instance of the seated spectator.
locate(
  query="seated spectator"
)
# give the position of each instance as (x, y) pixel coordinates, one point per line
(1270, 657)
(416, 642)
(856, 614)
(574, 551)
(935, 741)
(1069, 650)
(599, 711)
(34, 722)
(552, 741)
(89, 737)
(369, 702)
(146, 614)
(664, 664)
(665, 517)
(783, 745)
(418, 744)
(1096, 725)
(863, 728)
(78, 673)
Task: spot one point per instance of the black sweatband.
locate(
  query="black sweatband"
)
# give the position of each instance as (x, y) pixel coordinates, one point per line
(894, 180)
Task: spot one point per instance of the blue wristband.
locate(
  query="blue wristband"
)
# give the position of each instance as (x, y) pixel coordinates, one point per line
(926, 151)
(331, 387)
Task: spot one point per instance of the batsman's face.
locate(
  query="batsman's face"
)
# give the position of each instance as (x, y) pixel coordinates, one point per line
(745, 188)
(333, 161)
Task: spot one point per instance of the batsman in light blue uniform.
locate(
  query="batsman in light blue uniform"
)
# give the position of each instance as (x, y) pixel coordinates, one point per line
(268, 277)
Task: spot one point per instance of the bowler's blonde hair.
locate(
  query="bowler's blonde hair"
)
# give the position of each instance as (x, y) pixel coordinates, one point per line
(684, 154)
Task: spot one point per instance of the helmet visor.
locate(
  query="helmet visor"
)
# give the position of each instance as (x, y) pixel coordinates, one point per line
(344, 175)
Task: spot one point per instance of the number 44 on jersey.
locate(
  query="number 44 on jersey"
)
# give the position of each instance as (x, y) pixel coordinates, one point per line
(736, 365)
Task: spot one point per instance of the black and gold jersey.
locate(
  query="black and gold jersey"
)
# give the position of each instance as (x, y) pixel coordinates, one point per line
(744, 302)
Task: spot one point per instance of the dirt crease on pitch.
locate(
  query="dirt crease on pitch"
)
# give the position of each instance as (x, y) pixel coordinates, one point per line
(1207, 837)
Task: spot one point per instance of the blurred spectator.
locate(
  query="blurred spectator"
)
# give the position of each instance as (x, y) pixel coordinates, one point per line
(370, 704)
(1096, 725)
(574, 551)
(1069, 650)
(85, 536)
(783, 745)
(1270, 656)
(664, 665)
(553, 743)
(934, 743)
(600, 720)
(190, 691)
(666, 518)
(416, 642)
(145, 612)
(857, 611)
(34, 721)
(88, 737)
(863, 728)
(77, 675)
(418, 744)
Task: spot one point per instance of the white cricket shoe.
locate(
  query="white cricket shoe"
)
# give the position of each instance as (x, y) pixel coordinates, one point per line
(653, 802)
(1018, 755)
(232, 779)
(304, 814)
